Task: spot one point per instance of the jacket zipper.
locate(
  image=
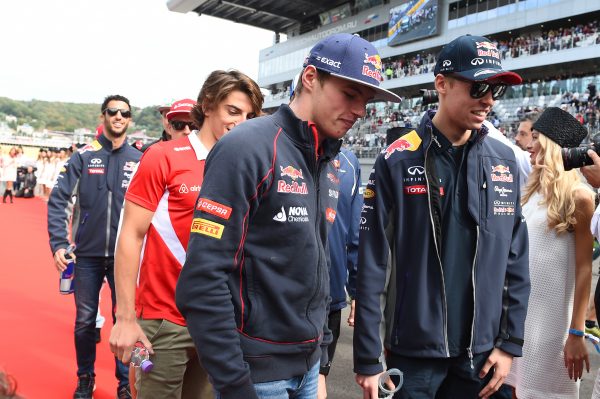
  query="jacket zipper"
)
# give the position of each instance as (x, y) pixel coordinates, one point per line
(108, 216)
(470, 348)
(437, 251)
(317, 176)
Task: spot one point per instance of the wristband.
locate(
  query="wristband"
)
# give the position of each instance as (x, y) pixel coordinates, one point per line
(578, 333)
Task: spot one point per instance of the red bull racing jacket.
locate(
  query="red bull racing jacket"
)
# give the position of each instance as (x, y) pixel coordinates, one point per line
(255, 286)
(400, 275)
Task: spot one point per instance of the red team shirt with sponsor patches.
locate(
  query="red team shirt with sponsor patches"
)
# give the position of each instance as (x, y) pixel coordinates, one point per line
(166, 182)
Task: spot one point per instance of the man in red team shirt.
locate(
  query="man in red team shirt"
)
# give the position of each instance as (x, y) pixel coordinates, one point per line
(159, 206)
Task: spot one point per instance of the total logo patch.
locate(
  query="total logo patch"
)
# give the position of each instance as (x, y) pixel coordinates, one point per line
(214, 208)
(295, 214)
(207, 228)
(416, 189)
(95, 171)
(330, 215)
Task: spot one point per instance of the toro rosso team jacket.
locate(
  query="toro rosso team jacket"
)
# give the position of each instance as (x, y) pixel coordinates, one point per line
(400, 274)
(255, 284)
(99, 177)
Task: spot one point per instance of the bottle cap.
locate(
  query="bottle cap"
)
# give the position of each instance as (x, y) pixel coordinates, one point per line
(147, 366)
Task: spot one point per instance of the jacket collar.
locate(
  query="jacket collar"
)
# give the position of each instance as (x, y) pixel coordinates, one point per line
(107, 144)
(426, 126)
(301, 134)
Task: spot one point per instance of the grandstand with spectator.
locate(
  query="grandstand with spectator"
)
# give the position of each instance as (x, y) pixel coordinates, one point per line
(553, 44)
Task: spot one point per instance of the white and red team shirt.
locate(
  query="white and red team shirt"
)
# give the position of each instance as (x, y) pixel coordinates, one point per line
(167, 182)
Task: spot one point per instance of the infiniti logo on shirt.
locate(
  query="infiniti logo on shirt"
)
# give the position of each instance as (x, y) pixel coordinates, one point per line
(416, 170)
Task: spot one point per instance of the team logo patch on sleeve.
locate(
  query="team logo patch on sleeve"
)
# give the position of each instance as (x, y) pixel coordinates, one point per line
(208, 228)
(214, 208)
(330, 215)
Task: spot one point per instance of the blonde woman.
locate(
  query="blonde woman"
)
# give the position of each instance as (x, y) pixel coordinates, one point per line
(9, 173)
(558, 208)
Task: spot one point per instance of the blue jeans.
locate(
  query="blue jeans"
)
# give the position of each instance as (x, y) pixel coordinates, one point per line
(300, 387)
(89, 274)
(451, 378)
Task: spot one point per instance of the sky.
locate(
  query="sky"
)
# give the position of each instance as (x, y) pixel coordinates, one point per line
(83, 50)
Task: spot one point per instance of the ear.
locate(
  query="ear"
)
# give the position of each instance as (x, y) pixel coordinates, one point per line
(441, 83)
(309, 78)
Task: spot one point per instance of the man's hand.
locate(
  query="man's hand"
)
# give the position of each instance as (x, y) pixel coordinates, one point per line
(351, 315)
(592, 172)
(60, 261)
(575, 354)
(322, 387)
(500, 361)
(370, 385)
(124, 336)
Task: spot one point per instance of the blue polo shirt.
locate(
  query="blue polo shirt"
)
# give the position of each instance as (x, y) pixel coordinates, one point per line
(459, 235)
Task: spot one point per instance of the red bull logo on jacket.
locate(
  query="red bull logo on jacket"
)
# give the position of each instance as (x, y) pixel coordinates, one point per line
(409, 142)
(503, 175)
(292, 172)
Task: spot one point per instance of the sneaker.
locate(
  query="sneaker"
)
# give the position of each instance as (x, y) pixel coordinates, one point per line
(123, 392)
(85, 387)
(98, 335)
(595, 331)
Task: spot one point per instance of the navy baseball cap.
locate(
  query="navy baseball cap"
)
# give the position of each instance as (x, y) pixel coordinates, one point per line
(352, 58)
(474, 58)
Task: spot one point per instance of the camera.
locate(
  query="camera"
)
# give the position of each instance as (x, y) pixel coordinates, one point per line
(429, 97)
(577, 157)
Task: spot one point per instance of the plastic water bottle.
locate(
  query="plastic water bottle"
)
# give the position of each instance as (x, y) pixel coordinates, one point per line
(66, 285)
(384, 392)
(140, 357)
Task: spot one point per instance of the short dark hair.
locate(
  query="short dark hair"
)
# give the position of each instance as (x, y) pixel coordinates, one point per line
(114, 97)
(218, 85)
(530, 117)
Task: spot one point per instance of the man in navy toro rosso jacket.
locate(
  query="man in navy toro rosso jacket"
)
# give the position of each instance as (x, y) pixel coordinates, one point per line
(255, 286)
(98, 174)
(445, 199)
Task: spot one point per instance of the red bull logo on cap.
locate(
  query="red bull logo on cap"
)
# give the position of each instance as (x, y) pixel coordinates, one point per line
(292, 172)
(374, 60)
(486, 45)
(490, 49)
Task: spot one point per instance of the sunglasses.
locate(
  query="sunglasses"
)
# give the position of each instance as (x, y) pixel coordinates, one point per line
(480, 89)
(180, 125)
(113, 111)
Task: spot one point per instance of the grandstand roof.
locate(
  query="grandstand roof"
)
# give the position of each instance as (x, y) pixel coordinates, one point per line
(275, 15)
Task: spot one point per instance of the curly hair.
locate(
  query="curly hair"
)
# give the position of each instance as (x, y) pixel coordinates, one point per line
(556, 185)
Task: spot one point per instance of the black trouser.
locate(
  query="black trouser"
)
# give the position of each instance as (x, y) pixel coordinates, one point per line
(334, 323)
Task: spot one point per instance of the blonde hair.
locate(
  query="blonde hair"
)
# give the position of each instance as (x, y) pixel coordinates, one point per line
(556, 185)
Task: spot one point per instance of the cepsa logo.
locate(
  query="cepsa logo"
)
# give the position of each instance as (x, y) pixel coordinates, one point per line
(207, 228)
(214, 208)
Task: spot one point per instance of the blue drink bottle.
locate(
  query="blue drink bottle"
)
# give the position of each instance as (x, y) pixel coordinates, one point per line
(66, 277)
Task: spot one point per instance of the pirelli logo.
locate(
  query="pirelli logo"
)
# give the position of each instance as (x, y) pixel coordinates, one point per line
(208, 228)
(214, 208)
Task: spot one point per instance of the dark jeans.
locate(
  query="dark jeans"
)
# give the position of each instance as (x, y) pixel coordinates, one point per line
(450, 378)
(89, 274)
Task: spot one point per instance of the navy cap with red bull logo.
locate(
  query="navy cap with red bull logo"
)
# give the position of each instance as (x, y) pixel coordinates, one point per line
(474, 58)
(352, 58)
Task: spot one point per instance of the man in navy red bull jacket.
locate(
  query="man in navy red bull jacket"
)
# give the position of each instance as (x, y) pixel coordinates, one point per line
(99, 175)
(445, 198)
(255, 285)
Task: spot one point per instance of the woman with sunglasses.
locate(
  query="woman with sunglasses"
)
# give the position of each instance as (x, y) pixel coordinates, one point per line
(154, 235)
(558, 208)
